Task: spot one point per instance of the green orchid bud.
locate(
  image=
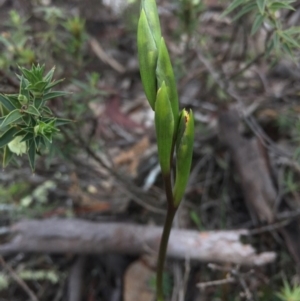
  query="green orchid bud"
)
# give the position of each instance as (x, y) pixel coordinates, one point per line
(22, 99)
(164, 124)
(147, 54)
(17, 146)
(164, 73)
(184, 153)
(150, 9)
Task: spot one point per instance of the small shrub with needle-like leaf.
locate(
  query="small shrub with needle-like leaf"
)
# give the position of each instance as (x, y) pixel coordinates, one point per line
(27, 124)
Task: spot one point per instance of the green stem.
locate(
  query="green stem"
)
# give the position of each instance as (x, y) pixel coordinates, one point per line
(165, 238)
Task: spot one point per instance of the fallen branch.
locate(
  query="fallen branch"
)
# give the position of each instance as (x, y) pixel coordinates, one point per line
(252, 163)
(84, 237)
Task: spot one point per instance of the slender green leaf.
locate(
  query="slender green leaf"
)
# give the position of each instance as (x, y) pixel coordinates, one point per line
(48, 136)
(23, 87)
(31, 153)
(232, 6)
(261, 4)
(257, 23)
(14, 100)
(29, 75)
(53, 84)
(246, 9)
(49, 75)
(39, 86)
(289, 39)
(286, 48)
(295, 30)
(8, 136)
(7, 43)
(28, 136)
(27, 119)
(47, 110)
(12, 117)
(270, 47)
(7, 156)
(7, 104)
(38, 102)
(32, 111)
(40, 140)
(1, 120)
(280, 5)
(61, 121)
(54, 94)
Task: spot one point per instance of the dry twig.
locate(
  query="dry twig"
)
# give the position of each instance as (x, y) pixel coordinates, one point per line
(20, 281)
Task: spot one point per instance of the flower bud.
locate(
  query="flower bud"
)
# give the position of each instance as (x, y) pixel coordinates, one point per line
(147, 54)
(18, 146)
(184, 153)
(164, 124)
(164, 73)
(22, 99)
(150, 9)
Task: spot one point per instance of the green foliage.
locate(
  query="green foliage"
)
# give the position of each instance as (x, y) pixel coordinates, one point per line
(28, 123)
(64, 37)
(76, 27)
(31, 275)
(290, 184)
(85, 90)
(289, 293)
(188, 13)
(9, 194)
(167, 283)
(266, 13)
(194, 216)
(16, 42)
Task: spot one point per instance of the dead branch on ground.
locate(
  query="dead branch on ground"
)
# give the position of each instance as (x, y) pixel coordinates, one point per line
(84, 237)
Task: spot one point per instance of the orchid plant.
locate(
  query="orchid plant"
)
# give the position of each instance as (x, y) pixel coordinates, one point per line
(174, 129)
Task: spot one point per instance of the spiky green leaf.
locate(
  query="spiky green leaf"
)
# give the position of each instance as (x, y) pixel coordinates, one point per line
(261, 4)
(7, 104)
(259, 19)
(234, 4)
(246, 9)
(31, 153)
(8, 136)
(7, 156)
(54, 94)
(12, 117)
(33, 111)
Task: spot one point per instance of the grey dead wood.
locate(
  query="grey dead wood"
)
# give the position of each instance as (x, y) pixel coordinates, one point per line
(252, 163)
(252, 167)
(84, 237)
